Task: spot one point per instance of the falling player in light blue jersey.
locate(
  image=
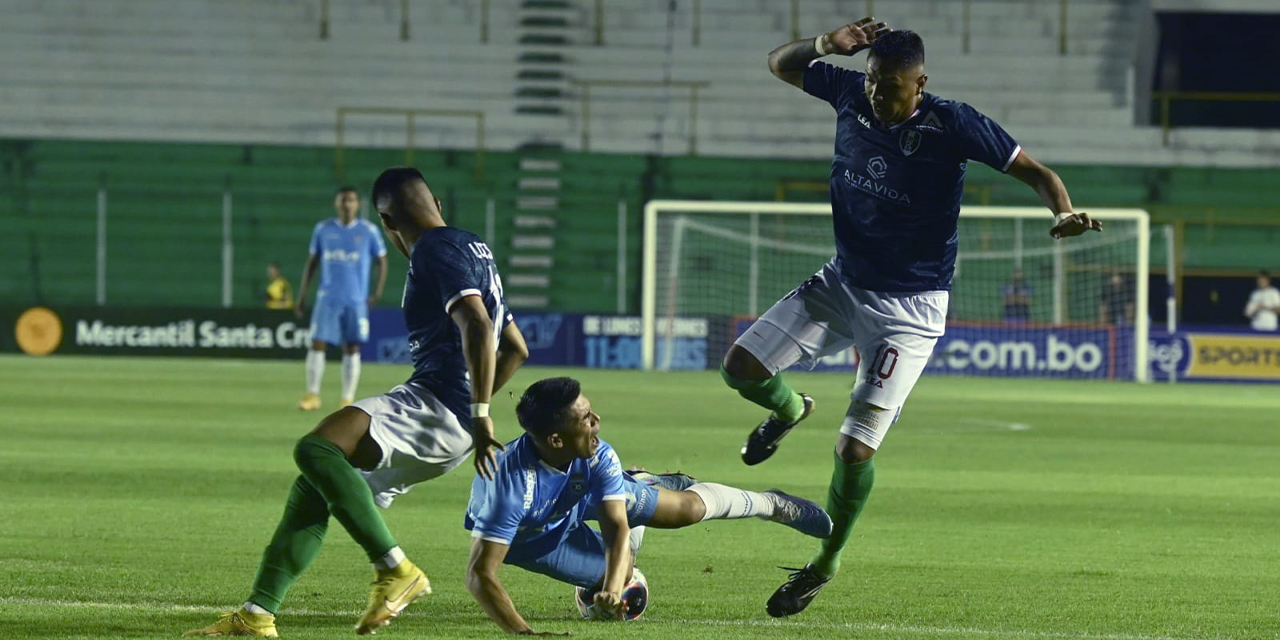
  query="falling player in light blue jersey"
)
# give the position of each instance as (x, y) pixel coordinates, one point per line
(464, 347)
(559, 474)
(343, 249)
(897, 178)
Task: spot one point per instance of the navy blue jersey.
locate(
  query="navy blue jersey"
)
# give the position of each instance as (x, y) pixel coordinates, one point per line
(445, 265)
(531, 505)
(895, 191)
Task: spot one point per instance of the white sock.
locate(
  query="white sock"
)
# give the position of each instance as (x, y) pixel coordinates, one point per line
(315, 371)
(391, 560)
(350, 375)
(636, 539)
(253, 608)
(729, 503)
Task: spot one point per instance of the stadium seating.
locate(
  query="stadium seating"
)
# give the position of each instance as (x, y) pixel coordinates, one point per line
(193, 71)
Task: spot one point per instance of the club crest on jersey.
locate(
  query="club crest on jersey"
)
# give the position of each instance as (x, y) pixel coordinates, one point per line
(909, 141)
(876, 167)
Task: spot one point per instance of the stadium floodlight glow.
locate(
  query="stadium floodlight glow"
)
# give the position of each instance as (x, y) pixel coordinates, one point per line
(1086, 296)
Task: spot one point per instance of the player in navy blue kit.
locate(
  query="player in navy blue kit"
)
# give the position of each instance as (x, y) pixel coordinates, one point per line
(897, 178)
(464, 347)
(343, 249)
(560, 474)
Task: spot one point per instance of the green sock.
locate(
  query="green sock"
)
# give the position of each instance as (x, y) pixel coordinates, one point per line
(295, 544)
(349, 498)
(773, 394)
(850, 486)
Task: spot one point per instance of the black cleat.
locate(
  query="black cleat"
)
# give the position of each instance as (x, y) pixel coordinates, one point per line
(796, 593)
(764, 439)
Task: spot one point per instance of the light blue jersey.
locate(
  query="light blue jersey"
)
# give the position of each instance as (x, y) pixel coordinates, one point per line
(345, 253)
(534, 507)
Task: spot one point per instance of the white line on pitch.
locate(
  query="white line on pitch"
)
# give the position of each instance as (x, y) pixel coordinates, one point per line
(851, 626)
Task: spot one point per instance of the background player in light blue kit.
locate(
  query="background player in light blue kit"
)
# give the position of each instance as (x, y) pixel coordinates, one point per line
(559, 474)
(342, 248)
(897, 178)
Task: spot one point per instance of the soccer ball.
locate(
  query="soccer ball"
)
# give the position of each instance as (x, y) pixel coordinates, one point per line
(635, 598)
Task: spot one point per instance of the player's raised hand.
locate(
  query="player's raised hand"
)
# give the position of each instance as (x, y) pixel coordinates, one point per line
(607, 605)
(1074, 224)
(487, 447)
(856, 36)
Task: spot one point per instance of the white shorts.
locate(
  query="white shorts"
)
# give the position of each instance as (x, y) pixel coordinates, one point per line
(894, 334)
(420, 439)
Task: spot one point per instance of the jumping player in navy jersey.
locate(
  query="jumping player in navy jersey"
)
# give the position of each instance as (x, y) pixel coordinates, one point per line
(897, 177)
(464, 347)
(559, 474)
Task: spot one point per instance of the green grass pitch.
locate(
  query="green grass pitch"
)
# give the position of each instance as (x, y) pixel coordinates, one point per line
(136, 496)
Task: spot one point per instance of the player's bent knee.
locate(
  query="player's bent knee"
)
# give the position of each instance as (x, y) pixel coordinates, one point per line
(742, 365)
(851, 451)
(677, 509)
(692, 509)
(864, 427)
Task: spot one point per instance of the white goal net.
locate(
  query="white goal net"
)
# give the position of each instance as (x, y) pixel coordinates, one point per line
(1022, 304)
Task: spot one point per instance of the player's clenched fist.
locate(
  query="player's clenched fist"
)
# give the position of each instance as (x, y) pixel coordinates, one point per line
(854, 37)
(1074, 224)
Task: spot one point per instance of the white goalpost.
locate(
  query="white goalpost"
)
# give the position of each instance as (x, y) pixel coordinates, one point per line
(1022, 304)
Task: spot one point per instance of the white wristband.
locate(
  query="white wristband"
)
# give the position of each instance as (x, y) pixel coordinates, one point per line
(480, 410)
(819, 43)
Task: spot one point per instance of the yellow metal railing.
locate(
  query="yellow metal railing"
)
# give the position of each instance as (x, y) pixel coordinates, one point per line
(692, 86)
(410, 115)
(1166, 99)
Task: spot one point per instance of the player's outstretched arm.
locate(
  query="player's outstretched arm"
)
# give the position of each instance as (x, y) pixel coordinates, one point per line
(789, 61)
(480, 350)
(1054, 195)
(618, 560)
(483, 583)
(512, 352)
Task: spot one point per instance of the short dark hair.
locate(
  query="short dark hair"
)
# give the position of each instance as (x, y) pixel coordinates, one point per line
(347, 188)
(898, 49)
(273, 263)
(1264, 273)
(545, 404)
(391, 181)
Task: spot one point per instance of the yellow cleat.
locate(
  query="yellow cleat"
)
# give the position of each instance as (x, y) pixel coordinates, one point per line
(240, 623)
(393, 590)
(309, 402)
(346, 402)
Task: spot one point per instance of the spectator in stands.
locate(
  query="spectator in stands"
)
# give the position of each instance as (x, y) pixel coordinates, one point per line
(1264, 305)
(278, 294)
(1117, 301)
(1017, 299)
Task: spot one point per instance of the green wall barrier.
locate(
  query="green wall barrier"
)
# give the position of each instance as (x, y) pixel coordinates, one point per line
(165, 202)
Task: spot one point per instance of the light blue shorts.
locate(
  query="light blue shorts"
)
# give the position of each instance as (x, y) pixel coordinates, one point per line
(340, 323)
